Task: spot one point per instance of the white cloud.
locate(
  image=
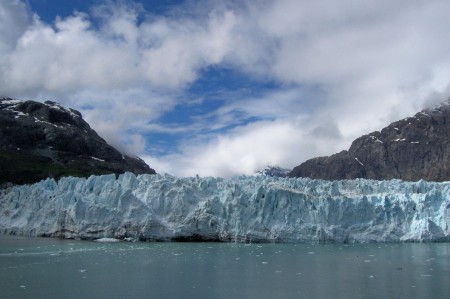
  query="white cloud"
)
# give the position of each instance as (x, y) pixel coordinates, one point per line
(376, 62)
(128, 71)
(343, 68)
(14, 19)
(375, 58)
(185, 46)
(122, 117)
(68, 57)
(71, 54)
(248, 149)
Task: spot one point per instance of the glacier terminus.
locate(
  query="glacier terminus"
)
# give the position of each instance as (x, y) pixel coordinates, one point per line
(241, 209)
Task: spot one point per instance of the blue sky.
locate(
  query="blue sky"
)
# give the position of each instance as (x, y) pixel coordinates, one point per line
(227, 87)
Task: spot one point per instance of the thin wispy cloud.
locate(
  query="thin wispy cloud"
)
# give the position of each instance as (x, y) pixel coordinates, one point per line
(226, 87)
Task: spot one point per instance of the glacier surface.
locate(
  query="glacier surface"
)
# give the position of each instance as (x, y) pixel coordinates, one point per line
(242, 209)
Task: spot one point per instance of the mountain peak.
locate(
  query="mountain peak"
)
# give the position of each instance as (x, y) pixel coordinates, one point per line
(410, 149)
(40, 140)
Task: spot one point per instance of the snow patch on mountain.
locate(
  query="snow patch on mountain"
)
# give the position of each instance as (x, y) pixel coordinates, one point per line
(273, 171)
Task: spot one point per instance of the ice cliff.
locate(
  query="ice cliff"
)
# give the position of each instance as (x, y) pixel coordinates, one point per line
(247, 209)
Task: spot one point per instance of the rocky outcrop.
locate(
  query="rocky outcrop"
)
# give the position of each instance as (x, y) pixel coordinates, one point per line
(40, 140)
(410, 149)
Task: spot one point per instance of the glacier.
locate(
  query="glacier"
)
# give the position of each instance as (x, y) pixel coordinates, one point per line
(241, 209)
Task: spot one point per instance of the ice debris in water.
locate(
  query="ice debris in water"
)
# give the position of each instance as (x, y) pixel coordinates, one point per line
(243, 209)
(107, 240)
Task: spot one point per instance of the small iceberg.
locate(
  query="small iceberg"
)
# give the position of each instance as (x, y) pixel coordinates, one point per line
(107, 240)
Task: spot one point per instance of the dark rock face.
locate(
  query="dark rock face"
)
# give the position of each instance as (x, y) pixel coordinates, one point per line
(410, 149)
(40, 140)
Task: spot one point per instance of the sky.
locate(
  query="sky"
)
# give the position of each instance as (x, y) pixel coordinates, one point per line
(223, 88)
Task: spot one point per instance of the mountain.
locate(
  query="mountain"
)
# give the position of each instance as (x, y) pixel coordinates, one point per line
(40, 140)
(410, 149)
(273, 171)
(241, 209)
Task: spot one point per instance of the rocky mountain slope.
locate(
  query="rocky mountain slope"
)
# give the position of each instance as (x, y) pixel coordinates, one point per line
(40, 140)
(410, 149)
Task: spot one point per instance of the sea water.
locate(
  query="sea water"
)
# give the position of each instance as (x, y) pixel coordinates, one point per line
(53, 268)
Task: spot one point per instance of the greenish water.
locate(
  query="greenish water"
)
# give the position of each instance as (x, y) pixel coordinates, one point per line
(51, 268)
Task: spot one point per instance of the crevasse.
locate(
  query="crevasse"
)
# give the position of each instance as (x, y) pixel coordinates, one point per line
(243, 209)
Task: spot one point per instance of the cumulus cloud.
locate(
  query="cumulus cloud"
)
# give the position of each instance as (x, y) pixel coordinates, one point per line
(74, 54)
(14, 19)
(341, 69)
(247, 149)
(122, 116)
(126, 71)
(371, 60)
(185, 47)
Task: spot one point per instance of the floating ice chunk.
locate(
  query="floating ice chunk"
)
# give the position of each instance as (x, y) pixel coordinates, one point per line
(107, 240)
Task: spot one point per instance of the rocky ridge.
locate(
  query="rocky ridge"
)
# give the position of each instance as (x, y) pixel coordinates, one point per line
(411, 149)
(40, 140)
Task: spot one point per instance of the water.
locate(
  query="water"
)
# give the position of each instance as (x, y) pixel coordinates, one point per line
(51, 268)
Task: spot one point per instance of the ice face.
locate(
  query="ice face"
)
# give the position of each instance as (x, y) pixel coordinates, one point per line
(247, 209)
